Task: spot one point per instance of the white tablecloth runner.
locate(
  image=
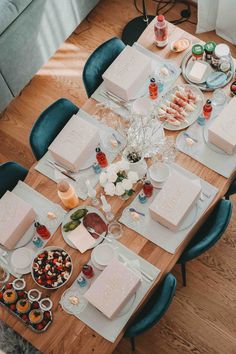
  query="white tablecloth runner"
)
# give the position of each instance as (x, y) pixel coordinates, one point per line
(160, 235)
(41, 206)
(81, 176)
(157, 63)
(208, 155)
(110, 329)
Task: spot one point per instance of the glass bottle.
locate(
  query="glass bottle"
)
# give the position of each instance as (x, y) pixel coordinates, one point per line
(106, 207)
(42, 231)
(161, 31)
(207, 109)
(87, 270)
(101, 158)
(148, 188)
(92, 193)
(153, 89)
(67, 194)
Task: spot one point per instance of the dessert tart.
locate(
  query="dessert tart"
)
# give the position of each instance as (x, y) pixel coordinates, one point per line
(10, 296)
(36, 316)
(23, 306)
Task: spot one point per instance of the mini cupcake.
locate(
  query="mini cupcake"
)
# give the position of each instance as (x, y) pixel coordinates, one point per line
(10, 296)
(23, 306)
(36, 316)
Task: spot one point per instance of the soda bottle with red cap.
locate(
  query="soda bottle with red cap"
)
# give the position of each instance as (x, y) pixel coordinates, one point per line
(161, 31)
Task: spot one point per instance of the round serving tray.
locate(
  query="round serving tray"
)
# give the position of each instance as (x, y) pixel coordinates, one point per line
(203, 86)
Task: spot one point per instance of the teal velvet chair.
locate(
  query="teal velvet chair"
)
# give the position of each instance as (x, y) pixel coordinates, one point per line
(10, 174)
(208, 234)
(154, 309)
(231, 190)
(49, 124)
(99, 61)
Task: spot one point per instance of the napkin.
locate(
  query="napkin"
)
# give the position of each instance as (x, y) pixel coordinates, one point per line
(81, 238)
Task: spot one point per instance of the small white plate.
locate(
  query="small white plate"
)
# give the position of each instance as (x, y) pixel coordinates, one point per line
(103, 254)
(210, 145)
(159, 172)
(21, 260)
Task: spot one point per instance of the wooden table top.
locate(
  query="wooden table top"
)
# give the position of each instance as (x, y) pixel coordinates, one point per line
(67, 334)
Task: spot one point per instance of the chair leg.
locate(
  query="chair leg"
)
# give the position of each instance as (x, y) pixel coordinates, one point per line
(183, 271)
(132, 340)
(227, 197)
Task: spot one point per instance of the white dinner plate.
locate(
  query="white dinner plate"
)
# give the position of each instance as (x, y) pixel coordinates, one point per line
(68, 219)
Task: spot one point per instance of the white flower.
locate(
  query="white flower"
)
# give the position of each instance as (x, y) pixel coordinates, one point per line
(119, 189)
(124, 165)
(127, 184)
(112, 176)
(132, 176)
(103, 178)
(110, 189)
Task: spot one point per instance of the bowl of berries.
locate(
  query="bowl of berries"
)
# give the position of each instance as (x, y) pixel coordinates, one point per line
(51, 267)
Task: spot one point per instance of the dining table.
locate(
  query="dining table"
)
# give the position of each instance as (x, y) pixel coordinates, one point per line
(67, 334)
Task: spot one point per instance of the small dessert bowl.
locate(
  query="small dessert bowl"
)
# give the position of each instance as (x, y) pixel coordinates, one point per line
(34, 294)
(45, 304)
(19, 284)
(159, 173)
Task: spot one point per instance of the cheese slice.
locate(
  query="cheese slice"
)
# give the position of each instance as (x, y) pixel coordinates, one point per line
(198, 71)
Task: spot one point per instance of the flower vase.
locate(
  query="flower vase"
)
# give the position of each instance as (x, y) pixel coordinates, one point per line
(140, 167)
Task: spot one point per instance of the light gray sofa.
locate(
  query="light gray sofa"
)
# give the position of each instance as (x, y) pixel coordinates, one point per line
(30, 32)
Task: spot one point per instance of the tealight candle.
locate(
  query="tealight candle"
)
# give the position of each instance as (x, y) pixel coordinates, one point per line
(81, 281)
(142, 198)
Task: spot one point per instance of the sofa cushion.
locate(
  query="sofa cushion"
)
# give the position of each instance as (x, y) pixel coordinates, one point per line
(10, 10)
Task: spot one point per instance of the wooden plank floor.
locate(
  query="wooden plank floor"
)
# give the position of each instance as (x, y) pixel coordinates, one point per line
(202, 318)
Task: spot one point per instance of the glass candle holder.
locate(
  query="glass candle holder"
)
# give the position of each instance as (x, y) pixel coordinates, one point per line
(115, 230)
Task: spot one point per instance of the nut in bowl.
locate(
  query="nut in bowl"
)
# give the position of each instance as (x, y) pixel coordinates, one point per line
(52, 267)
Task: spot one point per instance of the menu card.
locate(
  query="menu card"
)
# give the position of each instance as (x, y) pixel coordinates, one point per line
(16, 216)
(75, 143)
(113, 288)
(127, 73)
(222, 131)
(175, 200)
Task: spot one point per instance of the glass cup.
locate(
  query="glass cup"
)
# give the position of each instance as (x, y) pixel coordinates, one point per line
(115, 230)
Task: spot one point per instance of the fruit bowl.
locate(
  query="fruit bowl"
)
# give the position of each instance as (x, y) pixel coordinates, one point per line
(51, 268)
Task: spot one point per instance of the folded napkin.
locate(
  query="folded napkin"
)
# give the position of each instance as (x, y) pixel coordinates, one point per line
(81, 238)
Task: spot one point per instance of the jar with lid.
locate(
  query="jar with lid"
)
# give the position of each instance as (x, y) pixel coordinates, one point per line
(161, 31)
(209, 48)
(224, 64)
(221, 50)
(197, 52)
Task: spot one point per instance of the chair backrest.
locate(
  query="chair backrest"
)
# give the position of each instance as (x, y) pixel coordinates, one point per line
(155, 307)
(210, 232)
(10, 174)
(99, 61)
(49, 124)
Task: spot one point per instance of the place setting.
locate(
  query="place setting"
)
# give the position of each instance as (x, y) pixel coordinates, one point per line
(109, 288)
(77, 162)
(28, 221)
(128, 79)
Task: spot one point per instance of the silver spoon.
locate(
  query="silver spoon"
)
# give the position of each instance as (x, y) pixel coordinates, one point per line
(136, 211)
(90, 229)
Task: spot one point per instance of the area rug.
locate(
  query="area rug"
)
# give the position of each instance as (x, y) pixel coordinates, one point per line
(12, 343)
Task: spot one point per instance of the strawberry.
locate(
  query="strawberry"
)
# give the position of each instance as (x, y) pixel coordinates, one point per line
(1, 294)
(9, 286)
(13, 307)
(47, 314)
(35, 305)
(39, 326)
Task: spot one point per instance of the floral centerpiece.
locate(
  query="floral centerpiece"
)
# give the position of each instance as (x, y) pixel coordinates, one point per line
(118, 179)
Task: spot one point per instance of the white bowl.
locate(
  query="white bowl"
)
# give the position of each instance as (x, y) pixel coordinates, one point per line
(159, 172)
(51, 248)
(103, 254)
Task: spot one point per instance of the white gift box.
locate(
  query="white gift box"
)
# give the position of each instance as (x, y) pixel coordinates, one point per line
(16, 217)
(176, 199)
(113, 288)
(222, 131)
(75, 143)
(128, 72)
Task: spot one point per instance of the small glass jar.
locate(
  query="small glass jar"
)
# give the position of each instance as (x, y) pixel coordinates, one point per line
(224, 64)
(209, 48)
(148, 188)
(197, 51)
(221, 50)
(88, 271)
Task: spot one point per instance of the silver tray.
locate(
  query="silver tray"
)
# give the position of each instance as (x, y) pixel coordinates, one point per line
(28, 325)
(203, 86)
